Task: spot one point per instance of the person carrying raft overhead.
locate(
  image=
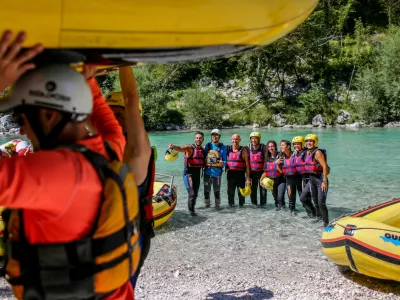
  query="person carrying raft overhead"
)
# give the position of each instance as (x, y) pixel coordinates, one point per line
(238, 171)
(138, 154)
(316, 165)
(257, 155)
(73, 231)
(215, 153)
(194, 162)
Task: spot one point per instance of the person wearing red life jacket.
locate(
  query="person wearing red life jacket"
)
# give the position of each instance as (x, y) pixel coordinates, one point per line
(238, 170)
(194, 163)
(316, 165)
(271, 170)
(257, 154)
(288, 169)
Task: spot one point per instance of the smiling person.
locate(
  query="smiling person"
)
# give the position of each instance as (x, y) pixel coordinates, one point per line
(271, 170)
(288, 168)
(215, 153)
(194, 163)
(68, 128)
(257, 155)
(316, 165)
(238, 168)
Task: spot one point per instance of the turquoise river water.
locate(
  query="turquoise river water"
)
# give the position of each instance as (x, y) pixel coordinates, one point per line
(365, 165)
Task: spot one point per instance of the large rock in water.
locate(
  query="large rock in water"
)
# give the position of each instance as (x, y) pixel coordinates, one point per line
(343, 116)
(279, 121)
(318, 120)
(7, 124)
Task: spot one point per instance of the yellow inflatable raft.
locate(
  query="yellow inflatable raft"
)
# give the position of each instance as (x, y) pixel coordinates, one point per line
(164, 200)
(368, 241)
(154, 30)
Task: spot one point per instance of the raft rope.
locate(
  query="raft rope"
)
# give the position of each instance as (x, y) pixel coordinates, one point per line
(390, 230)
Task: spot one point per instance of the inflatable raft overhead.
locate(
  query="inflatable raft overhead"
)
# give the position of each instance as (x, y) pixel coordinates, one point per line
(155, 30)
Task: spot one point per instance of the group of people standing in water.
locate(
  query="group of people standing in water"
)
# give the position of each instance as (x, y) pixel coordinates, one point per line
(255, 168)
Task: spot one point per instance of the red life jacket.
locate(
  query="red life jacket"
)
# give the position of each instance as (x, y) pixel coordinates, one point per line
(311, 165)
(289, 166)
(235, 162)
(256, 158)
(197, 159)
(299, 162)
(271, 168)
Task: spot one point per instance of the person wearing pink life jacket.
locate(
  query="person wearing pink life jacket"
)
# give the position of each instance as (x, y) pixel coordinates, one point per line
(238, 170)
(316, 165)
(271, 170)
(257, 154)
(194, 162)
(298, 153)
(289, 170)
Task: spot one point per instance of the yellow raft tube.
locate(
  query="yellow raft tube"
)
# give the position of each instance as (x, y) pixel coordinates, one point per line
(368, 241)
(107, 31)
(164, 200)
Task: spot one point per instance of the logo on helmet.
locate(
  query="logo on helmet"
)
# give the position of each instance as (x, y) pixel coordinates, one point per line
(50, 86)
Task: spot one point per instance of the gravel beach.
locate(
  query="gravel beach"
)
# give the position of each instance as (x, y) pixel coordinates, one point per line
(246, 253)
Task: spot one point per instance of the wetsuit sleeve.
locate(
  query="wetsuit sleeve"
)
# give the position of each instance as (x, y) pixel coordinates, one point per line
(38, 181)
(105, 122)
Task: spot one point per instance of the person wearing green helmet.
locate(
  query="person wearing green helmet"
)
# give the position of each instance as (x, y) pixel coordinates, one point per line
(316, 165)
(257, 154)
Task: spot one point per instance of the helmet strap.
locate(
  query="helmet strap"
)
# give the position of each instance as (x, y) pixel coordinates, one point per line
(50, 140)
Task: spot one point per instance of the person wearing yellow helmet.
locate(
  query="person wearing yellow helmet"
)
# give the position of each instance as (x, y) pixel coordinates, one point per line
(257, 154)
(194, 163)
(138, 154)
(303, 178)
(288, 168)
(237, 165)
(316, 165)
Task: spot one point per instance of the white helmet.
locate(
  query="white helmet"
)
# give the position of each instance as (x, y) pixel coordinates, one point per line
(216, 131)
(56, 86)
(21, 145)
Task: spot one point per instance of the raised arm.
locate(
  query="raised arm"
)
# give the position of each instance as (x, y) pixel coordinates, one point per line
(188, 149)
(138, 150)
(104, 120)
